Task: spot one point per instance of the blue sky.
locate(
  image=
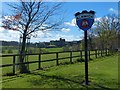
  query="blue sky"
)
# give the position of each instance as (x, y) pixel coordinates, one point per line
(72, 32)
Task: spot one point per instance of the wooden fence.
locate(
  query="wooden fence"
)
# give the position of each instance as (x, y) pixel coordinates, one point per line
(96, 53)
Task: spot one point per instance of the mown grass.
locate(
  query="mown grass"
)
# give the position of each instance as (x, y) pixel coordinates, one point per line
(103, 74)
(54, 49)
(15, 49)
(34, 66)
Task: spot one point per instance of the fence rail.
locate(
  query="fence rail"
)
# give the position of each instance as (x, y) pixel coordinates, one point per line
(96, 53)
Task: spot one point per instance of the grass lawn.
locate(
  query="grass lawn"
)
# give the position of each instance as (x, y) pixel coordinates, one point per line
(34, 66)
(103, 74)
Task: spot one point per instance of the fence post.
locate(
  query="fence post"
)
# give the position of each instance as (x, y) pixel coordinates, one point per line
(81, 54)
(96, 53)
(13, 64)
(101, 52)
(70, 56)
(57, 59)
(89, 54)
(39, 63)
(106, 52)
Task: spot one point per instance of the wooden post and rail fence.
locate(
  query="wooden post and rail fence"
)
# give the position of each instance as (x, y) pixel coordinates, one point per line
(95, 53)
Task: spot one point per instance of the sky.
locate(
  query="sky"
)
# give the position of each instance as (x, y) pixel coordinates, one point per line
(72, 32)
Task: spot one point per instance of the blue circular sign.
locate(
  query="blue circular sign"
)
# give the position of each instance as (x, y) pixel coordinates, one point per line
(85, 19)
(85, 24)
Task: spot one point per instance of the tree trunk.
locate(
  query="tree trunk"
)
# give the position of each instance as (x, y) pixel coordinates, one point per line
(22, 67)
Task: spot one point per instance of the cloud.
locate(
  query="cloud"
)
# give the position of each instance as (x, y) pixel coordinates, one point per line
(0, 21)
(9, 35)
(49, 36)
(113, 11)
(72, 23)
(65, 29)
(67, 37)
(98, 19)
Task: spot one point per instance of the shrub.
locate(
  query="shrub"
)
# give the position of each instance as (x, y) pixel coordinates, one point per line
(10, 51)
(3, 51)
(80, 60)
(30, 51)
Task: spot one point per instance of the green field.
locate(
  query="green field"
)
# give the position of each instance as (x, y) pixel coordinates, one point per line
(103, 74)
(34, 66)
(14, 49)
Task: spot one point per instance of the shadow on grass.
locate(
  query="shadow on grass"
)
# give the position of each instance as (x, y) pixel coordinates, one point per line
(102, 87)
(12, 78)
(71, 83)
(43, 79)
(53, 80)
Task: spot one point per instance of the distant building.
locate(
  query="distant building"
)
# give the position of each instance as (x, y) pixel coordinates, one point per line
(55, 43)
(71, 43)
(61, 42)
(58, 43)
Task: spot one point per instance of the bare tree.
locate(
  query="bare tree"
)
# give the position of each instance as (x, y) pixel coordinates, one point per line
(30, 17)
(108, 29)
(91, 39)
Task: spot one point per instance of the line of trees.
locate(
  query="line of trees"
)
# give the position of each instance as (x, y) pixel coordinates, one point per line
(105, 34)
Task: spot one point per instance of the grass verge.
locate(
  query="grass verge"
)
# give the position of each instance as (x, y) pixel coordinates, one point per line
(103, 74)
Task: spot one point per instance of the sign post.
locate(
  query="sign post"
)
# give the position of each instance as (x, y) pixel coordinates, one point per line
(85, 21)
(86, 58)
